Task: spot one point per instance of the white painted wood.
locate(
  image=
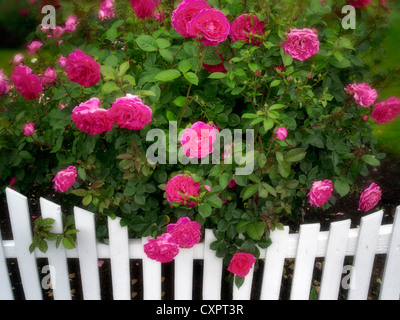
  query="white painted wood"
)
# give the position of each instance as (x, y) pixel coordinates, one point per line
(119, 256)
(183, 276)
(22, 233)
(56, 256)
(333, 262)
(5, 283)
(364, 256)
(87, 254)
(212, 271)
(304, 263)
(244, 293)
(390, 289)
(273, 267)
(151, 276)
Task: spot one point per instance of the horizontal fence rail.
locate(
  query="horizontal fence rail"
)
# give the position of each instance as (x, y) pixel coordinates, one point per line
(363, 243)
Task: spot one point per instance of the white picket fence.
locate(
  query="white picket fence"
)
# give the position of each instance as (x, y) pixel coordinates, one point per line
(363, 243)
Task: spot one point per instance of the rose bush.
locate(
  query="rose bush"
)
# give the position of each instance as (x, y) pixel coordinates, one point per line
(76, 112)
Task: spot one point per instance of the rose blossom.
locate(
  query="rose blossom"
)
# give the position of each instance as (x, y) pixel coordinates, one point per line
(320, 192)
(71, 24)
(185, 233)
(64, 179)
(89, 118)
(62, 61)
(370, 198)
(13, 180)
(29, 129)
(144, 8)
(245, 27)
(130, 113)
(241, 264)
(34, 46)
(106, 11)
(4, 87)
(49, 76)
(301, 44)
(18, 59)
(198, 140)
(26, 82)
(359, 3)
(185, 12)
(363, 94)
(162, 249)
(386, 111)
(180, 188)
(82, 69)
(281, 133)
(210, 27)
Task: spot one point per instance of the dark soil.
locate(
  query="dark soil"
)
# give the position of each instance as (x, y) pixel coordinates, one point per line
(387, 177)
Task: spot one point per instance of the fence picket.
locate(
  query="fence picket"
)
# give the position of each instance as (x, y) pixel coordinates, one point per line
(273, 268)
(390, 289)
(56, 256)
(22, 233)
(5, 283)
(151, 277)
(87, 253)
(119, 256)
(364, 256)
(212, 272)
(304, 263)
(183, 276)
(333, 263)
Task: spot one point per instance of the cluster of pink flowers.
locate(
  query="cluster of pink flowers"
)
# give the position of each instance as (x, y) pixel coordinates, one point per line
(34, 46)
(198, 140)
(359, 3)
(27, 83)
(82, 69)
(70, 26)
(144, 8)
(106, 11)
(128, 112)
(180, 188)
(48, 76)
(363, 94)
(64, 179)
(184, 234)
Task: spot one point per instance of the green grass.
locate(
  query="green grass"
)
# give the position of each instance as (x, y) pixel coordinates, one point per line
(5, 56)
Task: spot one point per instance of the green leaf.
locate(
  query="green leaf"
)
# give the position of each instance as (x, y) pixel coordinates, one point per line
(239, 281)
(214, 201)
(87, 200)
(109, 87)
(79, 192)
(284, 168)
(163, 43)
(211, 58)
(168, 75)
(192, 78)
(147, 43)
(295, 155)
(108, 72)
(167, 55)
(371, 160)
(184, 66)
(275, 83)
(241, 226)
(250, 191)
(205, 210)
(68, 243)
(217, 75)
(180, 101)
(82, 173)
(341, 187)
(124, 67)
(255, 230)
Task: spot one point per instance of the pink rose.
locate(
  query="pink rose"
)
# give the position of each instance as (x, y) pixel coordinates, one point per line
(82, 69)
(18, 59)
(232, 183)
(144, 8)
(34, 46)
(130, 113)
(57, 32)
(89, 118)
(210, 27)
(386, 111)
(62, 61)
(106, 11)
(241, 263)
(320, 192)
(245, 27)
(281, 133)
(359, 3)
(64, 179)
(185, 12)
(363, 94)
(71, 24)
(26, 82)
(4, 87)
(49, 76)
(216, 68)
(301, 44)
(180, 188)
(185, 233)
(370, 198)
(198, 140)
(162, 249)
(29, 129)
(13, 180)
(281, 68)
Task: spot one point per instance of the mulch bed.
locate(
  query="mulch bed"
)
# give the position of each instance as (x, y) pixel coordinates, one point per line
(387, 177)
